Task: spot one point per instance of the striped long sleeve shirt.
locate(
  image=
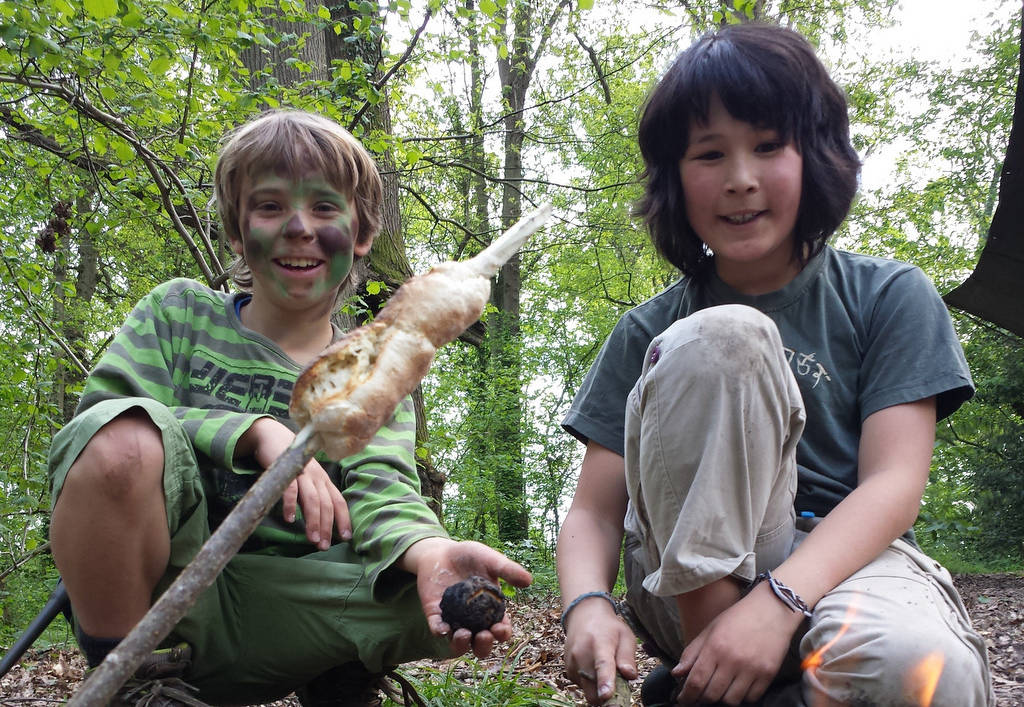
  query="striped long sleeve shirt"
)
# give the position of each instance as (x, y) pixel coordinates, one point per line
(184, 345)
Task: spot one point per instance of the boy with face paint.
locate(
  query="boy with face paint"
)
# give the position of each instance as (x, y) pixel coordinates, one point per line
(190, 403)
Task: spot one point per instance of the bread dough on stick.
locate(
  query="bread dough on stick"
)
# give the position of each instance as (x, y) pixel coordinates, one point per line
(354, 385)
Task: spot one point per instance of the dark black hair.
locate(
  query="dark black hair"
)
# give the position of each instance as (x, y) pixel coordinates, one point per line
(770, 77)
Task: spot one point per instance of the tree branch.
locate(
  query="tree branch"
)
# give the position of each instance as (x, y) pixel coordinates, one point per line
(157, 168)
(43, 323)
(597, 67)
(41, 550)
(379, 84)
(438, 218)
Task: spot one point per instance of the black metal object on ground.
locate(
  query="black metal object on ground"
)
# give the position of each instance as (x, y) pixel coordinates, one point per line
(57, 603)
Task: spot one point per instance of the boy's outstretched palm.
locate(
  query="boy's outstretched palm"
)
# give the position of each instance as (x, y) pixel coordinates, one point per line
(441, 562)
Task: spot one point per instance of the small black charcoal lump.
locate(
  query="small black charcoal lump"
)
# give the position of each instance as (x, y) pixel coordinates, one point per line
(474, 603)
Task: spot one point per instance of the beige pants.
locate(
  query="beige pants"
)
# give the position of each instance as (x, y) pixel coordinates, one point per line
(711, 432)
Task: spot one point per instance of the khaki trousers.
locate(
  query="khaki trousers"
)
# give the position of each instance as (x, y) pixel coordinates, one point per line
(711, 432)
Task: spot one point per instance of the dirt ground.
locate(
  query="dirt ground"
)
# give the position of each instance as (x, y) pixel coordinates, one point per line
(996, 603)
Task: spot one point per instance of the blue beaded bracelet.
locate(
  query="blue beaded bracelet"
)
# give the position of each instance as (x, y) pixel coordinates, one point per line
(588, 595)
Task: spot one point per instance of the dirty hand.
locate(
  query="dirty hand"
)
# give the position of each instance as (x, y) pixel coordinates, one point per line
(440, 562)
(597, 644)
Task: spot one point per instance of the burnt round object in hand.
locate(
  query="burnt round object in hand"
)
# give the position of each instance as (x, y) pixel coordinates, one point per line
(474, 603)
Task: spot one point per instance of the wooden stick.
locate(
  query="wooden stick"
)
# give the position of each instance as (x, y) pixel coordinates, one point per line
(200, 573)
(623, 695)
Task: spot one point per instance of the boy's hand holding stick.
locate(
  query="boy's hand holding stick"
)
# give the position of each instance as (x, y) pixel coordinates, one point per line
(340, 400)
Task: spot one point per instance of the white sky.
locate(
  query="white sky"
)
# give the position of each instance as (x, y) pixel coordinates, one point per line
(936, 30)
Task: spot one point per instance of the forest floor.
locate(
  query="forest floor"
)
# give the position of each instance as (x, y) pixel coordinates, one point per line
(534, 655)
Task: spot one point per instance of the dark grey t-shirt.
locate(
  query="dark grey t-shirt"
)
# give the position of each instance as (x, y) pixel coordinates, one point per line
(860, 333)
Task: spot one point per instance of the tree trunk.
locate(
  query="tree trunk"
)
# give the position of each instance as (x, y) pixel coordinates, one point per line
(515, 73)
(67, 323)
(259, 59)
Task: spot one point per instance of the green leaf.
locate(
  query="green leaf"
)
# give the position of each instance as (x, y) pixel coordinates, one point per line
(39, 46)
(112, 60)
(100, 9)
(9, 33)
(160, 65)
(488, 7)
(132, 20)
(323, 13)
(123, 150)
(585, 4)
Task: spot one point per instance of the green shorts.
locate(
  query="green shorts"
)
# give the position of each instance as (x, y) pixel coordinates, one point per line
(268, 624)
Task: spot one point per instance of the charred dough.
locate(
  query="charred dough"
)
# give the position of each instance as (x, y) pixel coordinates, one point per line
(474, 603)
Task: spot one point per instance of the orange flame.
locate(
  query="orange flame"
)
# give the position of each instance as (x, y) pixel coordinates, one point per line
(814, 660)
(924, 678)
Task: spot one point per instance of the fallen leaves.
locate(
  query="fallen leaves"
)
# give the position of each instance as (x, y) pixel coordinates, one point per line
(995, 602)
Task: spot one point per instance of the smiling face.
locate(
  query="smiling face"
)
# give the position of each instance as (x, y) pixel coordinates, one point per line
(742, 188)
(298, 237)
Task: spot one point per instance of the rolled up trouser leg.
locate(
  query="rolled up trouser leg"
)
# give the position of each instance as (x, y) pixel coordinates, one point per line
(711, 432)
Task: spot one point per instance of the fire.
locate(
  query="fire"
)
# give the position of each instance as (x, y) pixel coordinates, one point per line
(814, 660)
(921, 681)
(924, 678)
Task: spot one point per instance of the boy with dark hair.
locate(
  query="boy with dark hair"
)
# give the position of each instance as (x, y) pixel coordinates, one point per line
(190, 403)
(778, 375)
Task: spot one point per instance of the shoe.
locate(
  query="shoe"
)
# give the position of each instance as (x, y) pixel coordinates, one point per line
(348, 685)
(659, 688)
(157, 681)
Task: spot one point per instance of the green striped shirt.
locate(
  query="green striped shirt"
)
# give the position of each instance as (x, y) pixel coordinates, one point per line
(184, 346)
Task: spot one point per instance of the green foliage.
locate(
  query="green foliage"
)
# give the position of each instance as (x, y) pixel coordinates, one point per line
(463, 682)
(22, 595)
(977, 491)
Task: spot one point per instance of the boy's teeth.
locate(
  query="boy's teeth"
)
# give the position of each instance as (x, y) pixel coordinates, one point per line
(298, 262)
(743, 218)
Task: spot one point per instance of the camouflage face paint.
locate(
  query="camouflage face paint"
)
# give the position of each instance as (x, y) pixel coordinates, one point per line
(298, 237)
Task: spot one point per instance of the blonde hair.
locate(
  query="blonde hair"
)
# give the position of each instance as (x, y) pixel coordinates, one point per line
(292, 143)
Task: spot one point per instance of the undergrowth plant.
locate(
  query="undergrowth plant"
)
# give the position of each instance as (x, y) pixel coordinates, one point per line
(465, 682)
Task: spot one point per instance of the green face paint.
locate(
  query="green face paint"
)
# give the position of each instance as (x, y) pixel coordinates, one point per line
(298, 236)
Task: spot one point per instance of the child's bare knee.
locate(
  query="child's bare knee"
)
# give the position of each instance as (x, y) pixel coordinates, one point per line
(124, 458)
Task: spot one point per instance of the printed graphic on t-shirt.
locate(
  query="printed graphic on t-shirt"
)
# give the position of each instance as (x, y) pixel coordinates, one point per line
(213, 387)
(805, 365)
